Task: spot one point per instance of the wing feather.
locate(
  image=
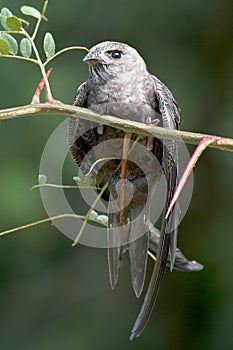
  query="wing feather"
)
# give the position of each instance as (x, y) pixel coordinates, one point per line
(171, 119)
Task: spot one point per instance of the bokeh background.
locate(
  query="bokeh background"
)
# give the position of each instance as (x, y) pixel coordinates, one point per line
(53, 296)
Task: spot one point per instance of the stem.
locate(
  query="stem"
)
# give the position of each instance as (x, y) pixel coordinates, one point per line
(98, 161)
(61, 216)
(21, 58)
(77, 238)
(151, 255)
(65, 186)
(64, 50)
(39, 20)
(204, 143)
(36, 28)
(45, 7)
(49, 96)
(11, 32)
(124, 158)
(39, 222)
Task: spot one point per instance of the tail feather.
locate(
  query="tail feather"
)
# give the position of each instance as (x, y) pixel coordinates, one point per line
(154, 287)
(132, 236)
(117, 245)
(139, 237)
(138, 262)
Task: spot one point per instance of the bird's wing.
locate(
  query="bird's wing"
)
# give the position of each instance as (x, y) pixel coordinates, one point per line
(73, 136)
(170, 119)
(170, 113)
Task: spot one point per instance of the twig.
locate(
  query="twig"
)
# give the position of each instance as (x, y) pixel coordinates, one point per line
(204, 143)
(64, 50)
(61, 216)
(87, 216)
(28, 59)
(49, 96)
(123, 176)
(65, 186)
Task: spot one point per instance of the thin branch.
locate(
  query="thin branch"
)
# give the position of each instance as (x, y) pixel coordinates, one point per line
(11, 32)
(61, 216)
(39, 20)
(222, 143)
(65, 186)
(87, 216)
(21, 58)
(64, 50)
(204, 143)
(52, 218)
(49, 96)
(125, 150)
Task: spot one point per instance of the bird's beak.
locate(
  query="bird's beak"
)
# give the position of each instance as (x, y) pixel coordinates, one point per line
(91, 59)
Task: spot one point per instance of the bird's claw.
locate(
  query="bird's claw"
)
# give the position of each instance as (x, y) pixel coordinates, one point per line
(100, 129)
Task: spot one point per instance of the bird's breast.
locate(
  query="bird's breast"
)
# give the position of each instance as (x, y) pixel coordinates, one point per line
(133, 101)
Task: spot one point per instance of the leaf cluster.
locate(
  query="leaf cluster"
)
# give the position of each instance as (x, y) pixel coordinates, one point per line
(26, 48)
(13, 25)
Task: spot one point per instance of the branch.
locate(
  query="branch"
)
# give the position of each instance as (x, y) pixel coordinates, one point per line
(222, 143)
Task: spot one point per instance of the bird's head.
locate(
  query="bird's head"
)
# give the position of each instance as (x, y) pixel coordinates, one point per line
(114, 58)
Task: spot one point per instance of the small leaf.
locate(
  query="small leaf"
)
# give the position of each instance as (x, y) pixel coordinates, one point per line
(3, 16)
(77, 180)
(49, 45)
(102, 218)
(13, 23)
(25, 47)
(30, 11)
(4, 47)
(12, 42)
(89, 181)
(93, 214)
(42, 179)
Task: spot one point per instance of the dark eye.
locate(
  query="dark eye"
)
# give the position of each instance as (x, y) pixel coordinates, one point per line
(116, 54)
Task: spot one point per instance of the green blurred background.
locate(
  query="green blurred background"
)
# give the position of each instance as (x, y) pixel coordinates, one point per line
(53, 296)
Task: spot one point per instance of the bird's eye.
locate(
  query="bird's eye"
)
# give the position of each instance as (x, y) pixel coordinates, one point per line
(116, 54)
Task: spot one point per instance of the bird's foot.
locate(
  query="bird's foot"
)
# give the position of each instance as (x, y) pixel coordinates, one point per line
(150, 140)
(100, 129)
(153, 122)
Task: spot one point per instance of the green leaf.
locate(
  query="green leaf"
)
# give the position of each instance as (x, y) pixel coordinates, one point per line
(77, 180)
(3, 16)
(42, 179)
(13, 23)
(93, 214)
(89, 181)
(4, 47)
(49, 45)
(102, 218)
(25, 47)
(30, 11)
(12, 42)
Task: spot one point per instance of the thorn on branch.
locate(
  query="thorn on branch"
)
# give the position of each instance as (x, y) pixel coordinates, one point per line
(36, 96)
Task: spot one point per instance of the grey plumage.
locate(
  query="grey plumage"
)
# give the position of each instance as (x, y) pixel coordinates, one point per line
(120, 85)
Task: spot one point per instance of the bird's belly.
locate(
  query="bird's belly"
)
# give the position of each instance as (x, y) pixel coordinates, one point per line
(126, 110)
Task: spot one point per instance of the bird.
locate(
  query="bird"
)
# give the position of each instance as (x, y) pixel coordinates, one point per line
(120, 85)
